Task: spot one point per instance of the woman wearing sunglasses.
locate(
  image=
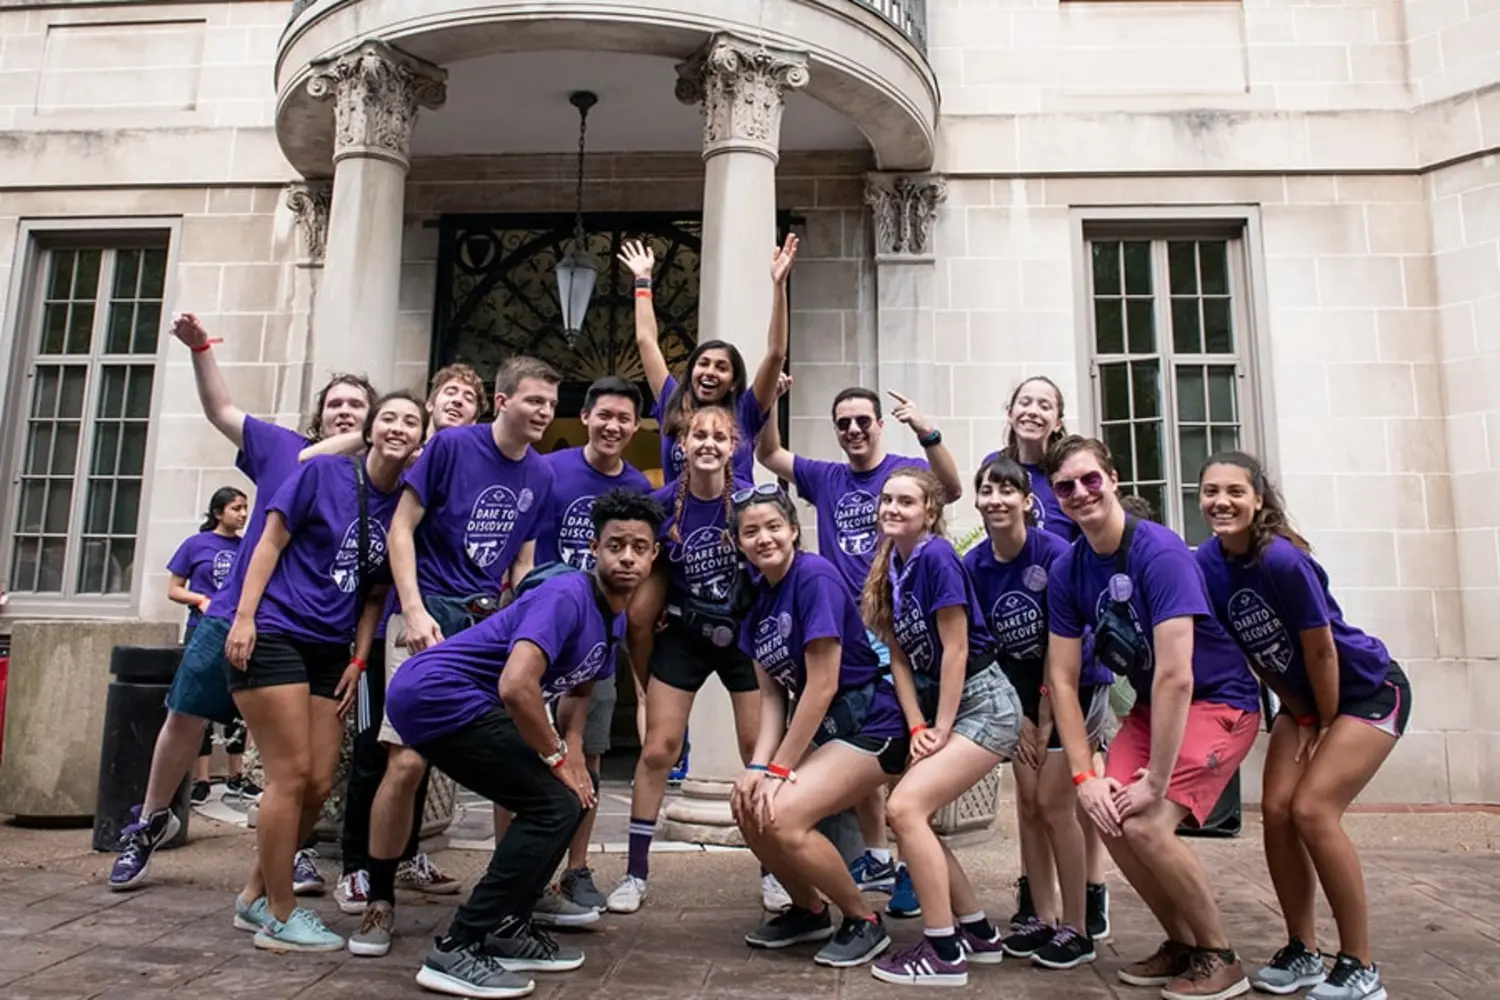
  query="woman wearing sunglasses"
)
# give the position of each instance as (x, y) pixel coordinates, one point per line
(706, 594)
(846, 734)
(1137, 586)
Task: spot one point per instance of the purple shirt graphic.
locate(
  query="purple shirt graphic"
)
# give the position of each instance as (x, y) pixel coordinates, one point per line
(314, 592)
(481, 507)
(268, 455)
(811, 603)
(751, 420)
(1267, 603)
(704, 562)
(445, 687)
(934, 579)
(566, 527)
(1163, 583)
(846, 501)
(205, 561)
(1049, 513)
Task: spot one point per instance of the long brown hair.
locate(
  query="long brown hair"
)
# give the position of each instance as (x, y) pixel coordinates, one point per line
(1012, 447)
(707, 415)
(876, 603)
(1272, 520)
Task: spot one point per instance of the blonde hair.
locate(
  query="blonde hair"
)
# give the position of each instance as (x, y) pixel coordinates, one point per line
(707, 415)
(876, 603)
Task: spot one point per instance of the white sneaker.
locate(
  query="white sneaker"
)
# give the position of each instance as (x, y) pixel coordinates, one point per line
(773, 897)
(628, 895)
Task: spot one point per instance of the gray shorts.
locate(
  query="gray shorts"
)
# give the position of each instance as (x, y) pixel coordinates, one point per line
(989, 714)
(601, 716)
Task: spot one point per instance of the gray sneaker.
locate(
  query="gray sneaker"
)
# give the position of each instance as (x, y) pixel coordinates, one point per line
(1290, 969)
(794, 926)
(858, 941)
(577, 884)
(556, 910)
(470, 971)
(1350, 979)
(527, 949)
(373, 939)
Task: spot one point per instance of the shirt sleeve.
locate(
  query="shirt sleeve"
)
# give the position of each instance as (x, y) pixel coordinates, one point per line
(752, 417)
(181, 563)
(259, 443)
(549, 624)
(659, 408)
(1303, 605)
(430, 472)
(542, 502)
(819, 614)
(297, 497)
(1064, 615)
(1171, 582)
(942, 581)
(809, 475)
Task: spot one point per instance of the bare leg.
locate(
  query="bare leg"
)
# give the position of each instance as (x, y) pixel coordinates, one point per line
(667, 710)
(1173, 866)
(1287, 860)
(870, 812)
(395, 801)
(177, 746)
(578, 851)
(1036, 849)
(1058, 804)
(1161, 905)
(280, 717)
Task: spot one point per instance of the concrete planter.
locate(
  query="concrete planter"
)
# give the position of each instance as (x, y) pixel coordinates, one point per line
(974, 811)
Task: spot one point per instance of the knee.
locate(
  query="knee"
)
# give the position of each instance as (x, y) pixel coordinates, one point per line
(1276, 811)
(318, 787)
(1058, 808)
(294, 778)
(1144, 836)
(904, 814)
(660, 753)
(404, 770)
(1311, 813)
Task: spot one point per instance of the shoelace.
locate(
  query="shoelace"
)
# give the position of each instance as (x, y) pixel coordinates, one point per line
(1288, 955)
(1064, 935)
(542, 939)
(306, 920)
(1201, 965)
(1344, 970)
(849, 930)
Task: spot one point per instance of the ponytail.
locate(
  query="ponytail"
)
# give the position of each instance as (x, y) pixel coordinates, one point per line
(876, 605)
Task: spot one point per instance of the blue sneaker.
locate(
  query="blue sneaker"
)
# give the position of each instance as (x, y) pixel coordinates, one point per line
(870, 873)
(137, 843)
(675, 776)
(302, 931)
(903, 902)
(251, 916)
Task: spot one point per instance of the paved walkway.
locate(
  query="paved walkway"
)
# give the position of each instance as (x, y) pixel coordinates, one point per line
(1434, 886)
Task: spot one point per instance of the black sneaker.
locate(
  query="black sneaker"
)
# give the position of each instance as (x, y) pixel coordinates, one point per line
(527, 948)
(1025, 911)
(199, 794)
(1097, 922)
(857, 941)
(1068, 949)
(794, 926)
(470, 971)
(1028, 938)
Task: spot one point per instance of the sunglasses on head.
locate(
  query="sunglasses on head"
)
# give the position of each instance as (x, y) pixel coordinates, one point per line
(1090, 482)
(750, 494)
(863, 421)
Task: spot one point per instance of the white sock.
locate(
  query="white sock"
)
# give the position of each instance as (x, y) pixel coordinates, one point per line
(939, 931)
(971, 917)
(881, 854)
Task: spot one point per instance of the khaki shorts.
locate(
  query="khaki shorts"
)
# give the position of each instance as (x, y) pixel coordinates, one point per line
(394, 656)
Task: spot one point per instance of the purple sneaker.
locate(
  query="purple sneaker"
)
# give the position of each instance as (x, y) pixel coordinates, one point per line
(979, 951)
(137, 842)
(920, 965)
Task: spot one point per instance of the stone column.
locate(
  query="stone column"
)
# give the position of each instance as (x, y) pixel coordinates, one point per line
(903, 211)
(308, 201)
(739, 85)
(376, 91)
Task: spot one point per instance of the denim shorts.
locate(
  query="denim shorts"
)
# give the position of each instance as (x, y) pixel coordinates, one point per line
(200, 688)
(989, 713)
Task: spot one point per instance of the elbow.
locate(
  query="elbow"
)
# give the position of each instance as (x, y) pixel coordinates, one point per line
(1175, 680)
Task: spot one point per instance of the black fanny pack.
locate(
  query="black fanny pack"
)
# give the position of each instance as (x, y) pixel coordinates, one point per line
(454, 614)
(846, 714)
(1118, 644)
(716, 622)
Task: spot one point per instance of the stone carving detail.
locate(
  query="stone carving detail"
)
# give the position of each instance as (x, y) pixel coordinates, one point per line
(904, 208)
(310, 201)
(740, 86)
(376, 92)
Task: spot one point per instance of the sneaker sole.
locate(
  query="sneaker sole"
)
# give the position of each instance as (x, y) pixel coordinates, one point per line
(440, 982)
(248, 926)
(1072, 963)
(309, 888)
(428, 889)
(902, 979)
(879, 885)
(614, 907)
(850, 963)
(565, 920)
(1132, 980)
(352, 908)
(903, 914)
(1233, 990)
(1289, 988)
(365, 949)
(821, 934)
(1103, 934)
(265, 942)
(1018, 952)
(539, 965)
(984, 957)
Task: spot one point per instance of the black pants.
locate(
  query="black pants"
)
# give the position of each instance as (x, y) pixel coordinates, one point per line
(490, 757)
(366, 769)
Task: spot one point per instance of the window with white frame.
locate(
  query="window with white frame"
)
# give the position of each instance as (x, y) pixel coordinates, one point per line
(89, 342)
(1170, 365)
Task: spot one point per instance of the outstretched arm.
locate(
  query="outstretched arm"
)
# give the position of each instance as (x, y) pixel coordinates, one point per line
(768, 448)
(213, 391)
(778, 337)
(642, 263)
(938, 456)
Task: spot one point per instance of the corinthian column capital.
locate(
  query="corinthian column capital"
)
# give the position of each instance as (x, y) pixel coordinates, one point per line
(740, 86)
(904, 210)
(376, 92)
(310, 201)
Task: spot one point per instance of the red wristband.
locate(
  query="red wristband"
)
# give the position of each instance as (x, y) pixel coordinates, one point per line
(1043, 691)
(355, 661)
(643, 293)
(1083, 776)
(777, 771)
(918, 728)
(1307, 721)
(205, 346)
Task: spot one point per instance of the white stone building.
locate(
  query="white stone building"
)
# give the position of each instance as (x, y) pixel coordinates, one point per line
(1268, 222)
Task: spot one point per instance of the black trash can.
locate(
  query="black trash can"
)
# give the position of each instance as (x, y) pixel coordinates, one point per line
(134, 711)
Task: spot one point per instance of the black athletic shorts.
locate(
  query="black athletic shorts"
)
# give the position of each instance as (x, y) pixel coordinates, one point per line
(277, 660)
(685, 661)
(892, 754)
(1388, 708)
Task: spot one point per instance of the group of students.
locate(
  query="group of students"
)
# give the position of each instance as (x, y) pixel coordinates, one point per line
(886, 673)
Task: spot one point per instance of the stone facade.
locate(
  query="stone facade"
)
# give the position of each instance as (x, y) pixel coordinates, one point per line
(1349, 148)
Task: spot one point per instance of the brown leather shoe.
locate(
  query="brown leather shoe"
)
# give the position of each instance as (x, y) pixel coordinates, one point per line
(1165, 964)
(1210, 975)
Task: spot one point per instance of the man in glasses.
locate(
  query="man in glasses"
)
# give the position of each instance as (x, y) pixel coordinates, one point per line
(845, 495)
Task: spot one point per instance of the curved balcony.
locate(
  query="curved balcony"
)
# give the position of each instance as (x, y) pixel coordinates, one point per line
(869, 82)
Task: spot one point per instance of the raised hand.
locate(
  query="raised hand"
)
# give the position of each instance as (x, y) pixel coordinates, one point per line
(638, 257)
(907, 413)
(783, 258)
(187, 329)
(783, 384)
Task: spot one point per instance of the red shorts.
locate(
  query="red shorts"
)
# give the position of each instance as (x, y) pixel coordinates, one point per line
(1214, 744)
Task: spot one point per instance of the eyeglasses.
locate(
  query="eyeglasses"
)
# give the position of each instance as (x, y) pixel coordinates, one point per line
(761, 491)
(863, 421)
(1091, 482)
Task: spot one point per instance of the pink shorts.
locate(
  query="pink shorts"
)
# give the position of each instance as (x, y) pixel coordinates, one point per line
(1214, 744)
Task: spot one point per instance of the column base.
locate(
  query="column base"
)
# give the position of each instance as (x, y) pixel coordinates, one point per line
(701, 815)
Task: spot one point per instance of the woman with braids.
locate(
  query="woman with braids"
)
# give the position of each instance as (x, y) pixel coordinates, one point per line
(1344, 704)
(199, 567)
(962, 714)
(705, 591)
(843, 739)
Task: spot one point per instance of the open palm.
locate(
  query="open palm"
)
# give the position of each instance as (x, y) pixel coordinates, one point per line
(638, 257)
(783, 259)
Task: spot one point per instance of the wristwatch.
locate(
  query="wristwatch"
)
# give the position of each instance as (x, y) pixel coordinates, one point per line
(556, 757)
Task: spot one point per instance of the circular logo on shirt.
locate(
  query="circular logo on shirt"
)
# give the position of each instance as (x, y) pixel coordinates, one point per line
(1019, 624)
(523, 502)
(708, 563)
(854, 516)
(784, 624)
(913, 637)
(1260, 631)
(1035, 579)
(223, 563)
(1121, 588)
(345, 569)
(490, 524)
(588, 668)
(575, 531)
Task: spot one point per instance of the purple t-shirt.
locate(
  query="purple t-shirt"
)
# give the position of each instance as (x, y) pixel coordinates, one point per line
(751, 419)
(445, 687)
(931, 580)
(1049, 513)
(566, 527)
(705, 561)
(846, 502)
(313, 594)
(204, 560)
(268, 455)
(1267, 603)
(481, 507)
(1013, 596)
(1164, 582)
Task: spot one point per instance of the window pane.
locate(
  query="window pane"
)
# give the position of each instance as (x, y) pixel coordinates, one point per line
(1109, 326)
(111, 392)
(1221, 408)
(1182, 268)
(59, 505)
(1213, 257)
(54, 328)
(121, 565)
(1148, 458)
(1106, 268)
(74, 381)
(121, 323)
(1194, 530)
(1117, 440)
(1192, 450)
(60, 280)
(1145, 377)
(132, 450)
(127, 270)
(33, 503)
(1226, 438)
(1152, 493)
(147, 328)
(1190, 404)
(106, 449)
(91, 567)
(50, 569)
(44, 396)
(1138, 268)
(38, 450)
(23, 565)
(138, 395)
(86, 275)
(1142, 317)
(1217, 326)
(97, 515)
(65, 449)
(80, 328)
(1186, 337)
(127, 507)
(1114, 391)
(153, 273)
